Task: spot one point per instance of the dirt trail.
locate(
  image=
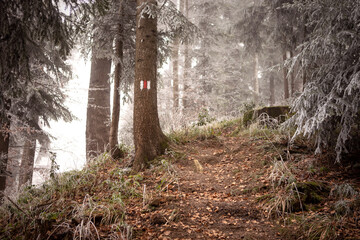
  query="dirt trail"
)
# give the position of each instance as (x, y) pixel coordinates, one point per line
(212, 203)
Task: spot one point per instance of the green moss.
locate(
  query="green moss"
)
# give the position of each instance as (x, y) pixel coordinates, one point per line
(324, 169)
(278, 112)
(164, 145)
(247, 118)
(312, 192)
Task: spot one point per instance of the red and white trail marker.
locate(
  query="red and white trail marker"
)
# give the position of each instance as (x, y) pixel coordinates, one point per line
(144, 84)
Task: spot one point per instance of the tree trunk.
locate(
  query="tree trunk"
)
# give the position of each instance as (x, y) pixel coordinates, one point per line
(98, 108)
(272, 89)
(303, 61)
(113, 140)
(4, 150)
(205, 88)
(149, 140)
(27, 162)
(292, 76)
(187, 65)
(175, 60)
(286, 83)
(13, 164)
(256, 78)
(303, 77)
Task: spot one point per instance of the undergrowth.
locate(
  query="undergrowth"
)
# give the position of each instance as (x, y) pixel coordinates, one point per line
(72, 205)
(203, 132)
(84, 204)
(316, 210)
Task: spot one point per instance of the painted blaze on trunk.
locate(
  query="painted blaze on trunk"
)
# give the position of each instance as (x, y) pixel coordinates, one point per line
(148, 137)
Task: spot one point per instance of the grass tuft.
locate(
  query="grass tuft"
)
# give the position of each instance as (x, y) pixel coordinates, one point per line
(72, 205)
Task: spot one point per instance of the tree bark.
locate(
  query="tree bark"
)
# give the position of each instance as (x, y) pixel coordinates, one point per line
(175, 60)
(292, 76)
(4, 150)
(113, 140)
(187, 65)
(272, 89)
(149, 139)
(13, 164)
(286, 83)
(98, 108)
(27, 162)
(304, 76)
(256, 78)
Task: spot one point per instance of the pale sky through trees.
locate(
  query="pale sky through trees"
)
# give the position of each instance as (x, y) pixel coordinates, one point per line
(69, 144)
(70, 137)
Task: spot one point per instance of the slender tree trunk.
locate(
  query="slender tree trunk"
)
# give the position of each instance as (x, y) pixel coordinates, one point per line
(4, 150)
(187, 65)
(256, 78)
(292, 76)
(98, 108)
(304, 77)
(114, 149)
(205, 88)
(286, 83)
(272, 89)
(148, 138)
(175, 60)
(13, 164)
(27, 162)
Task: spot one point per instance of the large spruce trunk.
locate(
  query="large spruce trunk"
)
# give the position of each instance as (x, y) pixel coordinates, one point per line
(98, 108)
(149, 140)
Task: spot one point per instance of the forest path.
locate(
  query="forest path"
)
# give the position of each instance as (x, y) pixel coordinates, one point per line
(215, 202)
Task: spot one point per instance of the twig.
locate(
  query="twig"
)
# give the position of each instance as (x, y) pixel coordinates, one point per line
(44, 204)
(162, 5)
(16, 205)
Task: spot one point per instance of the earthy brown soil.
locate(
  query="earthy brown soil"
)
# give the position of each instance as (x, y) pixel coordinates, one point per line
(212, 203)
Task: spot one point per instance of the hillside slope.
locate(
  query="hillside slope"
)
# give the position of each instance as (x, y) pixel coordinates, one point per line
(215, 182)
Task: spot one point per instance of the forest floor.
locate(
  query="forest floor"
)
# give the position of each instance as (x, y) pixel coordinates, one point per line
(221, 181)
(208, 200)
(223, 187)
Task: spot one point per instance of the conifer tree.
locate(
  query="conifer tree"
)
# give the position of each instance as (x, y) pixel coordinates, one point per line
(98, 108)
(328, 108)
(117, 25)
(148, 137)
(36, 39)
